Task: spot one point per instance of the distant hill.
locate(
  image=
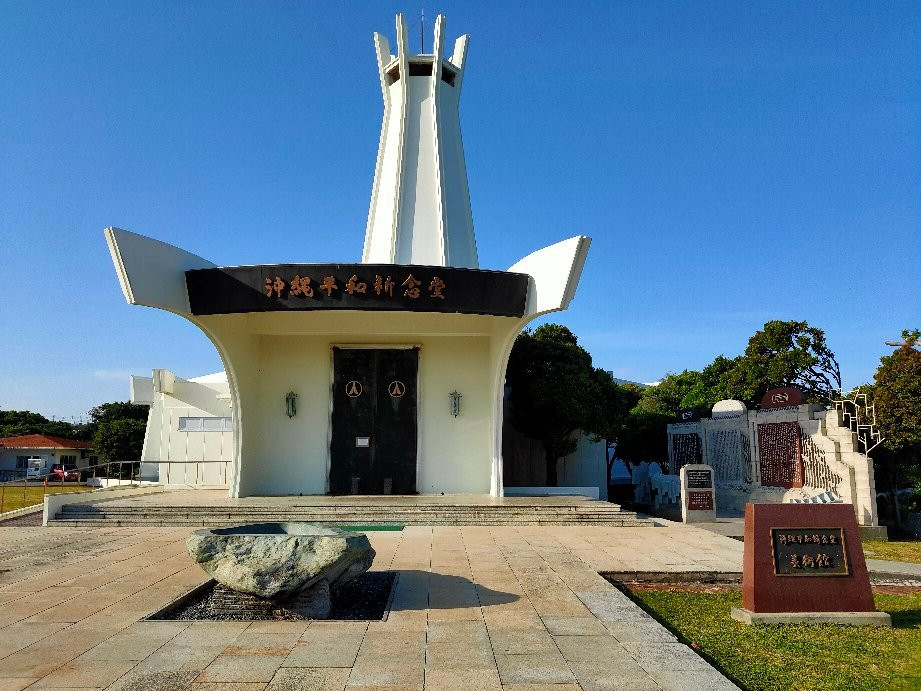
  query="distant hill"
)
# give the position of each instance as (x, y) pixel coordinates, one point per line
(617, 380)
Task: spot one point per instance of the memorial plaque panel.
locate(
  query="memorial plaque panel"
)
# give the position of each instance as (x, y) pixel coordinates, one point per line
(686, 448)
(781, 453)
(700, 479)
(769, 577)
(809, 552)
(700, 501)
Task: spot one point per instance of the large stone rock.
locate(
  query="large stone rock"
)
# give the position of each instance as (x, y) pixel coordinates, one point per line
(277, 560)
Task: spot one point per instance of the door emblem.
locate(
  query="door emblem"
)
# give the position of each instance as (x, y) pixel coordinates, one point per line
(396, 388)
(353, 389)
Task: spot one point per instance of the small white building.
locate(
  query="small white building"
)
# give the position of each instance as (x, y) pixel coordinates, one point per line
(385, 376)
(15, 453)
(189, 437)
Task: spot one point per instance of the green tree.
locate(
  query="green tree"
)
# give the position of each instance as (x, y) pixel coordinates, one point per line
(666, 397)
(712, 385)
(14, 423)
(645, 436)
(610, 412)
(119, 410)
(554, 391)
(897, 396)
(785, 353)
(119, 440)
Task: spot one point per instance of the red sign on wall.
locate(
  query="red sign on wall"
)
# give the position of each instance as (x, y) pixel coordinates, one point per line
(700, 501)
(781, 452)
(784, 397)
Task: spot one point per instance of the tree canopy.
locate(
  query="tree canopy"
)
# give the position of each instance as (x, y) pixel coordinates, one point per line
(119, 440)
(790, 353)
(896, 394)
(14, 423)
(118, 410)
(554, 391)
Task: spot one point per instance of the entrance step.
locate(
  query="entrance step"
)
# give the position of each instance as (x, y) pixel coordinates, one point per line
(581, 512)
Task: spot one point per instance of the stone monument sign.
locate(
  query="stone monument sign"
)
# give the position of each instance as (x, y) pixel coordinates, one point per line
(698, 502)
(803, 563)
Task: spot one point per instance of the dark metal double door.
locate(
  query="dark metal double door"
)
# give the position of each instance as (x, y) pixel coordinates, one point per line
(374, 437)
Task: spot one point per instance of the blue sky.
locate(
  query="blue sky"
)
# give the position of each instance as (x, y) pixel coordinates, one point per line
(733, 163)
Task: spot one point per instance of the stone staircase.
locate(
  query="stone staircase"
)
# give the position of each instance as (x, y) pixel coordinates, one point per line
(344, 513)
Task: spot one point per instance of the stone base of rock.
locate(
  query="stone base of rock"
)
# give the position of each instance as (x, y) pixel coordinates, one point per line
(227, 602)
(847, 618)
(312, 603)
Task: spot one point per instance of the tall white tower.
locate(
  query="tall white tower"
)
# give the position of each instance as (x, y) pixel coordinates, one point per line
(420, 204)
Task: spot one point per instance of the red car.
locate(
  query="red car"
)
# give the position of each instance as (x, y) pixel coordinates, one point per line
(67, 473)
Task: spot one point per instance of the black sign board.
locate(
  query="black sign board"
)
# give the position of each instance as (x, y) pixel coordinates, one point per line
(689, 415)
(378, 287)
(809, 552)
(699, 479)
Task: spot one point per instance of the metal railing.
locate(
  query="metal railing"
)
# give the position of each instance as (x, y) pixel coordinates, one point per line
(10, 490)
(858, 413)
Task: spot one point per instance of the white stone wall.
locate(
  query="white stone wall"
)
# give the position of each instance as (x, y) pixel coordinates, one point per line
(176, 457)
(831, 459)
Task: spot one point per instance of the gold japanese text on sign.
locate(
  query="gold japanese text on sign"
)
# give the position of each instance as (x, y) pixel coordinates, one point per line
(809, 552)
(381, 287)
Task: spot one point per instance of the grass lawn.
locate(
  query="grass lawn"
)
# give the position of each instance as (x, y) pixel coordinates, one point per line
(894, 551)
(15, 497)
(818, 656)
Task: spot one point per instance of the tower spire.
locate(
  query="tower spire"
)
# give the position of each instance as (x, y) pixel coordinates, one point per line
(420, 203)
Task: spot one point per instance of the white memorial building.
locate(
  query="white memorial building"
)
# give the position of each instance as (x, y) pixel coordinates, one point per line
(383, 377)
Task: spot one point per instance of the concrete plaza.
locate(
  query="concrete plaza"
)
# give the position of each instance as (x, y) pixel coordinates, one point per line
(479, 607)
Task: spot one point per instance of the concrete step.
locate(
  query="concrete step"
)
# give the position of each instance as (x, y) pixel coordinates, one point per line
(581, 506)
(102, 510)
(405, 513)
(348, 519)
(106, 523)
(358, 515)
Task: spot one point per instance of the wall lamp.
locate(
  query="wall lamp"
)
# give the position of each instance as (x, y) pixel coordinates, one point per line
(291, 404)
(455, 402)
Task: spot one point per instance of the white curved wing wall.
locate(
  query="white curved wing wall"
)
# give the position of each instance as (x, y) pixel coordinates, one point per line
(152, 273)
(555, 273)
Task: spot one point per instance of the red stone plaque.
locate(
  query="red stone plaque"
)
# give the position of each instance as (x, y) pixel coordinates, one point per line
(804, 558)
(700, 501)
(781, 453)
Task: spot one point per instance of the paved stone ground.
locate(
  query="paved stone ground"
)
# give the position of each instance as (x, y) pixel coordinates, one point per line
(475, 608)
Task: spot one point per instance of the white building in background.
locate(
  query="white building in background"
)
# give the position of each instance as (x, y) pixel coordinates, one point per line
(380, 377)
(189, 437)
(46, 450)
